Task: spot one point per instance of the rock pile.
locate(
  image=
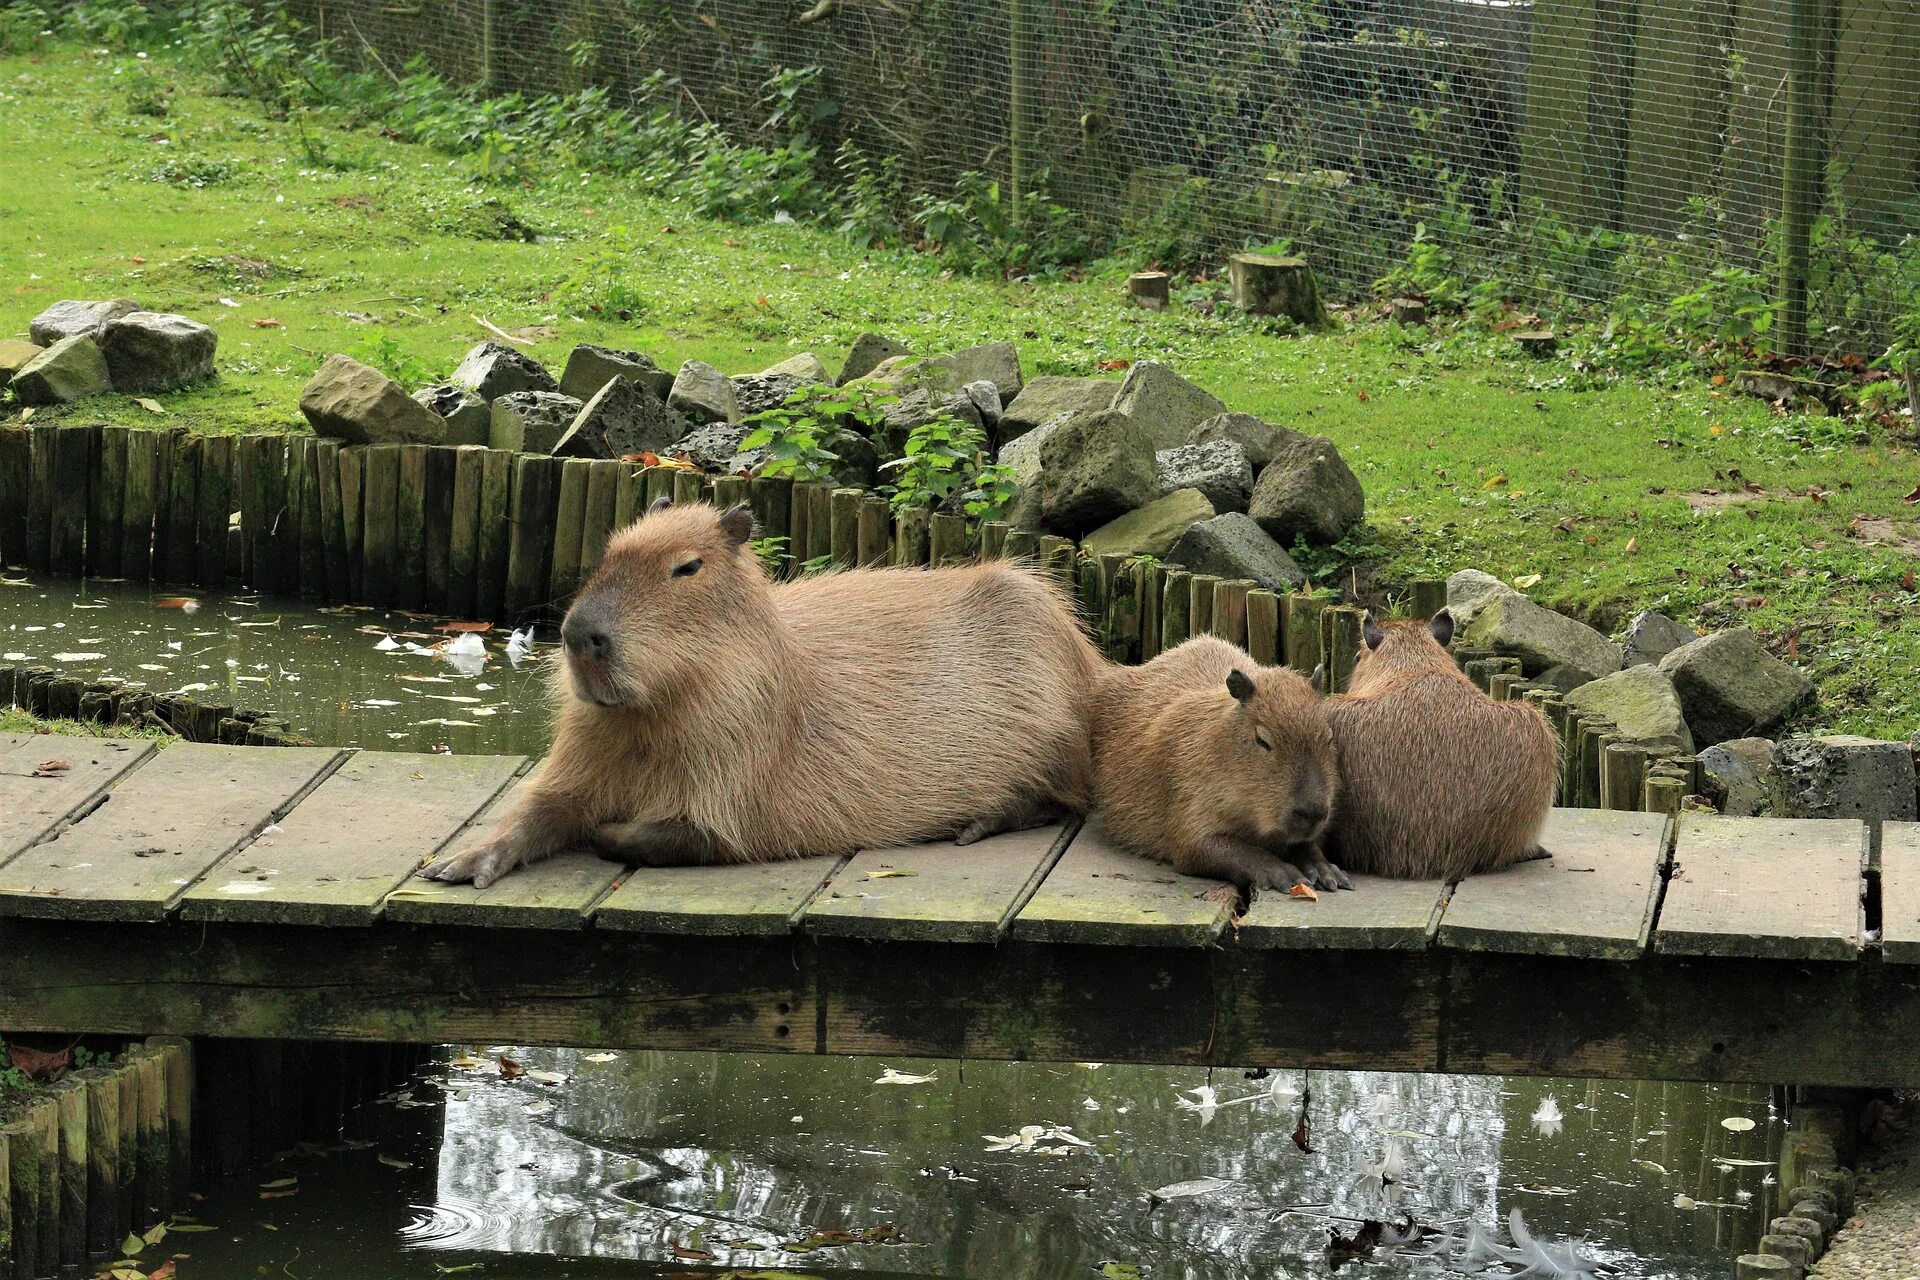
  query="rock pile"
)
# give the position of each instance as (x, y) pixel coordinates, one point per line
(79, 349)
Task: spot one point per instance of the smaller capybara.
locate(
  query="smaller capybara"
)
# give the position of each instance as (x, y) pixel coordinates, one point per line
(1224, 768)
(1437, 780)
(708, 715)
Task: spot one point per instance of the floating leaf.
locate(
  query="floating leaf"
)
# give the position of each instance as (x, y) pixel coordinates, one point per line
(601, 1057)
(509, 1069)
(1189, 1189)
(694, 1255)
(156, 1235)
(547, 1077)
(278, 1183)
(132, 1246)
(538, 1109)
(394, 1163)
(1737, 1124)
(889, 1076)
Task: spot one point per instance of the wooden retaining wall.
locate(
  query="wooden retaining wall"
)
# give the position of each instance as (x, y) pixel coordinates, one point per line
(52, 694)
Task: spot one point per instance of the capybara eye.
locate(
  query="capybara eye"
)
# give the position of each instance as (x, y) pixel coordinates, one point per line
(686, 570)
(1266, 744)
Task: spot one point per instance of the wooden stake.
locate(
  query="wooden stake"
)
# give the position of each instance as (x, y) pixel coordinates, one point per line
(1230, 610)
(1623, 776)
(1302, 632)
(103, 1160)
(334, 556)
(44, 1116)
(1266, 285)
(844, 508)
(1122, 589)
(183, 511)
(730, 491)
(1056, 557)
(1149, 289)
(442, 462)
(1429, 597)
(136, 510)
(689, 488)
(819, 519)
(771, 498)
(659, 484)
(630, 494)
(1340, 644)
(1200, 607)
(72, 477)
(1176, 609)
(603, 485)
(496, 535)
(40, 497)
(1022, 544)
(127, 1203)
(410, 528)
(910, 537)
(536, 482)
(993, 539)
(463, 533)
(569, 524)
(875, 516)
(1153, 577)
(108, 490)
(1263, 627)
(70, 1103)
(380, 482)
(947, 543)
(23, 1184)
(16, 469)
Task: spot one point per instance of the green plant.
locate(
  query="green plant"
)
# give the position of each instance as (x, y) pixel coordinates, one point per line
(146, 91)
(22, 27)
(385, 354)
(1430, 270)
(794, 434)
(981, 229)
(602, 282)
(771, 552)
(1731, 306)
(1902, 356)
(947, 458)
(193, 171)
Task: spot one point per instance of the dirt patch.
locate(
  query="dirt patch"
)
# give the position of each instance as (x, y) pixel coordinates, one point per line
(1883, 531)
(1710, 500)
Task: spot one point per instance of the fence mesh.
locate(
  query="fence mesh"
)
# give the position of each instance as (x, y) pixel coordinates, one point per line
(1543, 145)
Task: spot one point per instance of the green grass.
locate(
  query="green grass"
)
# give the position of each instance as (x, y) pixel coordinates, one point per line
(14, 720)
(1472, 455)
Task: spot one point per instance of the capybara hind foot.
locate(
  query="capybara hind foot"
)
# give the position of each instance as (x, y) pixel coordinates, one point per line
(1023, 814)
(1539, 853)
(655, 844)
(482, 863)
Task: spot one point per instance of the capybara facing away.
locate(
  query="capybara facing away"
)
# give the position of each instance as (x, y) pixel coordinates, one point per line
(707, 715)
(1220, 766)
(1437, 780)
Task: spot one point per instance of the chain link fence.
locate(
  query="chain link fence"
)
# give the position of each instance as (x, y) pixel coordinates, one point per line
(1554, 149)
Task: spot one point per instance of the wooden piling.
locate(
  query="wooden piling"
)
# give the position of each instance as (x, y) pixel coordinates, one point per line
(1264, 637)
(771, 498)
(1662, 795)
(1623, 776)
(1176, 609)
(569, 525)
(536, 481)
(410, 528)
(70, 1104)
(1600, 736)
(947, 540)
(1500, 686)
(1230, 610)
(819, 520)
(107, 493)
(1200, 607)
(603, 489)
(266, 478)
(23, 1185)
(845, 526)
(993, 539)
(16, 469)
(333, 533)
(1340, 645)
(871, 544)
(129, 1203)
(44, 1116)
(39, 497)
(213, 510)
(156, 1174)
(72, 479)
(689, 488)
(659, 484)
(136, 510)
(1429, 597)
(730, 491)
(1301, 631)
(463, 533)
(182, 542)
(910, 536)
(1056, 557)
(1022, 544)
(495, 539)
(630, 494)
(380, 534)
(442, 462)
(1152, 576)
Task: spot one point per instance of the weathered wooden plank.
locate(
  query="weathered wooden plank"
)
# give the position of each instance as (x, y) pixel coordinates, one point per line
(1780, 888)
(352, 518)
(1100, 893)
(380, 547)
(410, 528)
(1900, 892)
(213, 510)
(72, 476)
(303, 485)
(16, 466)
(603, 485)
(159, 831)
(106, 492)
(938, 892)
(39, 496)
(536, 480)
(1377, 915)
(334, 555)
(737, 901)
(439, 532)
(137, 503)
(45, 780)
(463, 533)
(496, 534)
(1594, 897)
(360, 833)
(569, 525)
(183, 511)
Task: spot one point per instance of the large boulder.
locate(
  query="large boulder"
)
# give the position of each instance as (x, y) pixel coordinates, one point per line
(77, 319)
(704, 394)
(1652, 636)
(1468, 590)
(591, 367)
(806, 369)
(491, 370)
(1095, 468)
(14, 355)
(1307, 491)
(1164, 403)
(1218, 468)
(995, 362)
(1540, 638)
(469, 419)
(1233, 546)
(918, 407)
(1047, 398)
(1738, 776)
(712, 446)
(869, 351)
(1843, 776)
(1643, 706)
(1732, 687)
(353, 402)
(156, 351)
(531, 421)
(71, 369)
(1153, 529)
(622, 418)
(1260, 440)
(1021, 457)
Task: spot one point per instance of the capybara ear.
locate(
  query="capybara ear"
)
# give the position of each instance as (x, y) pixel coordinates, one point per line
(658, 505)
(1239, 685)
(1442, 628)
(1319, 677)
(737, 523)
(1370, 631)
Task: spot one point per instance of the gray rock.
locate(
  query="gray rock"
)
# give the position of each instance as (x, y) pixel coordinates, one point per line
(1167, 406)
(806, 369)
(856, 460)
(491, 370)
(622, 418)
(531, 421)
(869, 351)
(1732, 687)
(986, 399)
(590, 368)
(1563, 678)
(77, 319)
(156, 351)
(14, 355)
(1153, 529)
(1843, 776)
(71, 369)
(1652, 636)
(1095, 468)
(1308, 492)
(469, 420)
(917, 408)
(1022, 457)
(1261, 440)
(712, 446)
(704, 394)
(1218, 468)
(361, 405)
(1047, 398)
(1739, 776)
(758, 392)
(1517, 627)
(1643, 706)
(1233, 546)
(995, 362)
(1468, 590)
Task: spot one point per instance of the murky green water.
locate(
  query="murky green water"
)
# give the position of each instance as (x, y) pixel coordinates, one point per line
(674, 1164)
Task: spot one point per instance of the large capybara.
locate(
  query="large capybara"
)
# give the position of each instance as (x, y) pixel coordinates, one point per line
(1437, 780)
(1224, 768)
(708, 715)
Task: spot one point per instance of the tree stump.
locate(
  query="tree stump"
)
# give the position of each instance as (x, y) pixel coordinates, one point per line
(1407, 311)
(1268, 286)
(1539, 343)
(1149, 289)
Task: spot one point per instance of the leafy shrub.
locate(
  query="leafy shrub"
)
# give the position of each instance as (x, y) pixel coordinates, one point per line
(945, 462)
(980, 229)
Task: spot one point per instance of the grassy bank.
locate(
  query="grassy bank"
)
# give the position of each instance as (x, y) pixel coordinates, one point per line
(1620, 493)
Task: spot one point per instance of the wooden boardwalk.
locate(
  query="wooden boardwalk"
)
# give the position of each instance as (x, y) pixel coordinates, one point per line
(267, 892)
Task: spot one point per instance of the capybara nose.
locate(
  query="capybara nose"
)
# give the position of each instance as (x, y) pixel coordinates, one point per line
(586, 641)
(1308, 817)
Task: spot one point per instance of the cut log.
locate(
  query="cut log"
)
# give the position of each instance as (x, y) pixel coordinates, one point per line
(1407, 311)
(1269, 286)
(1149, 289)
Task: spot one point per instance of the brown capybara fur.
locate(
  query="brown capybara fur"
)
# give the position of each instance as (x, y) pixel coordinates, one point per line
(1224, 768)
(1437, 780)
(707, 715)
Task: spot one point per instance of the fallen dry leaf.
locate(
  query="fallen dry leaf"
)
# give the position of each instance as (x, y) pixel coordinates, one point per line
(266, 322)
(1303, 891)
(1633, 546)
(1914, 496)
(51, 768)
(1115, 366)
(509, 1069)
(39, 1064)
(151, 406)
(693, 1255)
(464, 627)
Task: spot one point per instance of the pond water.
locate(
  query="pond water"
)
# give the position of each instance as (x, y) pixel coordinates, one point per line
(593, 1164)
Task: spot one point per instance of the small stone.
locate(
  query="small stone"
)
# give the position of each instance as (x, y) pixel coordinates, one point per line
(1261, 440)
(1843, 776)
(71, 369)
(1167, 406)
(1643, 706)
(622, 418)
(986, 400)
(1233, 546)
(712, 446)
(704, 394)
(1022, 457)
(590, 368)
(1738, 776)
(1153, 529)
(350, 401)
(469, 420)
(758, 392)
(492, 370)
(1765, 1266)
(1095, 468)
(531, 421)
(77, 319)
(14, 355)
(1806, 1228)
(806, 369)
(869, 351)
(1515, 626)
(1307, 491)
(1047, 398)
(1732, 687)
(155, 351)
(1468, 590)
(1652, 636)
(1219, 469)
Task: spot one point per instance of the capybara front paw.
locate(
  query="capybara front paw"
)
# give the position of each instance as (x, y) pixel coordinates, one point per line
(482, 863)
(1322, 874)
(1277, 873)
